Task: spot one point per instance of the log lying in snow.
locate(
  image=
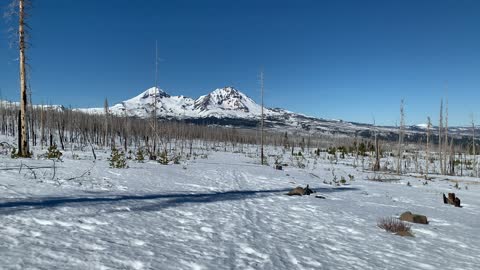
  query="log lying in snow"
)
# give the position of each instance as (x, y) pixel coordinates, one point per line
(414, 218)
(299, 191)
(452, 199)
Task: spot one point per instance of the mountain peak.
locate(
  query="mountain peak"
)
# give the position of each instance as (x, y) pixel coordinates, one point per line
(152, 92)
(226, 90)
(225, 99)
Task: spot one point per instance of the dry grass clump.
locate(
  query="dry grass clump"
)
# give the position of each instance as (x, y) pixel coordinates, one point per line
(395, 225)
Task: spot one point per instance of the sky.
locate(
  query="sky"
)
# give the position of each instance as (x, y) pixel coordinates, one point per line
(339, 59)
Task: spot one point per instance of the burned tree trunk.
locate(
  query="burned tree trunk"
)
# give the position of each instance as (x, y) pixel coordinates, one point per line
(23, 150)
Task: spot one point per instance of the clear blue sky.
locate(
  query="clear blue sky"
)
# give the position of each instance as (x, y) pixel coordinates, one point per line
(351, 60)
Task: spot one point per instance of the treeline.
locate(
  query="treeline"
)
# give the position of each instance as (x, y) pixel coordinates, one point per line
(66, 128)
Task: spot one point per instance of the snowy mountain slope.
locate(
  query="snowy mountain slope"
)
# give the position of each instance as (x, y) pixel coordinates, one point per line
(142, 105)
(229, 102)
(229, 106)
(225, 103)
(221, 103)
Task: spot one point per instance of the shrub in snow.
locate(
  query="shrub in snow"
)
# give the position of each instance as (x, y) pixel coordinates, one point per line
(176, 159)
(117, 159)
(163, 158)
(298, 161)
(53, 152)
(139, 156)
(14, 153)
(265, 161)
(395, 226)
(278, 160)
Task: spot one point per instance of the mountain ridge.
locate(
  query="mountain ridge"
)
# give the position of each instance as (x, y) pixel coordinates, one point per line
(228, 106)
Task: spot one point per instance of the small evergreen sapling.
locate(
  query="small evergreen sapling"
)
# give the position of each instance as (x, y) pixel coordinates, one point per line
(117, 159)
(139, 156)
(53, 152)
(163, 158)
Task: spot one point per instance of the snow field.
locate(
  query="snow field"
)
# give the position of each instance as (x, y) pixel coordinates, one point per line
(226, 212)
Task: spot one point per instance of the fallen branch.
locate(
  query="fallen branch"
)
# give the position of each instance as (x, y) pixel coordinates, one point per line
(77, 177)
(28, 167)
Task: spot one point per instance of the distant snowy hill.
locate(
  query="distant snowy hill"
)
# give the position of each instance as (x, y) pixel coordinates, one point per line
(229, 107)
(225, 102)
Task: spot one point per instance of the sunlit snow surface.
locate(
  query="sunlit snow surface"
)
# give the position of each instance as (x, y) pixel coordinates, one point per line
(225, 212)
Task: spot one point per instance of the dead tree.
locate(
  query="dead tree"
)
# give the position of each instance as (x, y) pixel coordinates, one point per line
(23, 149)
(106, 112)
(473, 147)
(42, 127)
(262, 157)
(429, 124)
(440, 145)
(452, 157)
(376, 166)
(445, 147)
(400, 138)
(153, 151)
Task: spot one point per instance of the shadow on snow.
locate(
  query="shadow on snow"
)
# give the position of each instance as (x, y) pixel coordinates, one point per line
(154, 202)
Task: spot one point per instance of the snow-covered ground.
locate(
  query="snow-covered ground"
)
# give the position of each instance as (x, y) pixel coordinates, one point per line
(225, 212)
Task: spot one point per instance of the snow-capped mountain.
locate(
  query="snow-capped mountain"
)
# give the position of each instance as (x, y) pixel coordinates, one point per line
(227, 102)
(224, 102)
(228, 106)
(224, 106)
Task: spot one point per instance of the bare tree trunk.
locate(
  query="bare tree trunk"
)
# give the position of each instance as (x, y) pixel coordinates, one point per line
(400, 139)
(42, 127)
(429, 123)
(446, 150)
(376, 166)
(463, 162)
(262, 158)
(23, 147)
(153, 154)
(452, 158)
(377, 155)
(473, 147)
(440, 146)
(105, 108)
